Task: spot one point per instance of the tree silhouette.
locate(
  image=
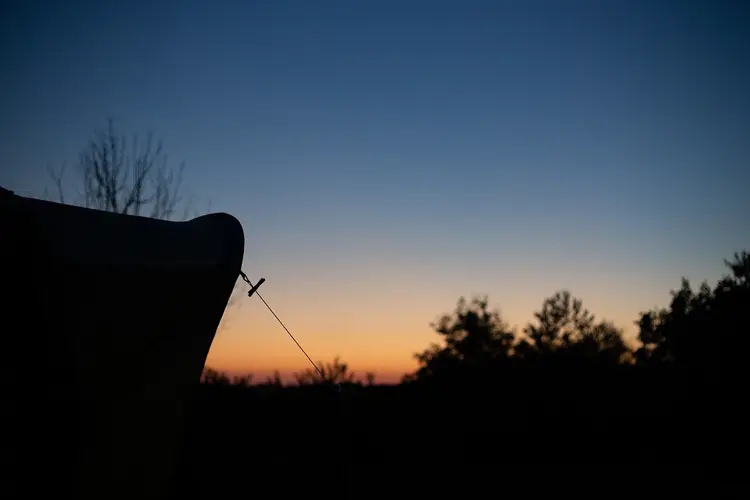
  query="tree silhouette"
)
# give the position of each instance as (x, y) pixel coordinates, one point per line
(565, 329)
(474, 338)
(243, 381)
(214, 377)
(275, 379)
(336, 372)
(701, 332)
(127, 176)
(701, 340)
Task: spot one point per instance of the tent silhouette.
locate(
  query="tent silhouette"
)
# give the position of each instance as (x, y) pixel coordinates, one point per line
(106, 327)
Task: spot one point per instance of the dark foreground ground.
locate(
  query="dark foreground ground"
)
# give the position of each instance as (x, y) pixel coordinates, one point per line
(607, 438)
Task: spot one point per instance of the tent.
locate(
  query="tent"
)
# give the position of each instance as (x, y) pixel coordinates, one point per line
(107, 323)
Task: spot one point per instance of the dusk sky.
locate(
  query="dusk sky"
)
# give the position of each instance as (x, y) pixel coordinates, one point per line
(387, 157)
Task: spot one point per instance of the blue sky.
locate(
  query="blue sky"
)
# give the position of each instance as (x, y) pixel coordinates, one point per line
(431, 148)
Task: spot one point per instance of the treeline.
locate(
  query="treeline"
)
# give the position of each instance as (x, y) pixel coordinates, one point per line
(701, 338)
(335, 372)
(565, 389)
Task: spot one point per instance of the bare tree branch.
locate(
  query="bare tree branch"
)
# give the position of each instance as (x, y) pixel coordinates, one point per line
(57, 177)
(132, 177)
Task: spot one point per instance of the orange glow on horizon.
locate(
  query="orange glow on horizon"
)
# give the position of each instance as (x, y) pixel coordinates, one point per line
(250, 340)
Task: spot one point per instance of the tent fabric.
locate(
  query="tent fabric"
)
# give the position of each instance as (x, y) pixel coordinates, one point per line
(107, 329)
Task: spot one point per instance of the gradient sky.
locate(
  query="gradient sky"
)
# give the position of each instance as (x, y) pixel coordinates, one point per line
(387, 157)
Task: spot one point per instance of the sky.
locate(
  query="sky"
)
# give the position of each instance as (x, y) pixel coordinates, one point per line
(388, 157)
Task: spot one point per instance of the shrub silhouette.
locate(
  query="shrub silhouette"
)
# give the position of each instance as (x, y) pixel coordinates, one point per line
(336, 372)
